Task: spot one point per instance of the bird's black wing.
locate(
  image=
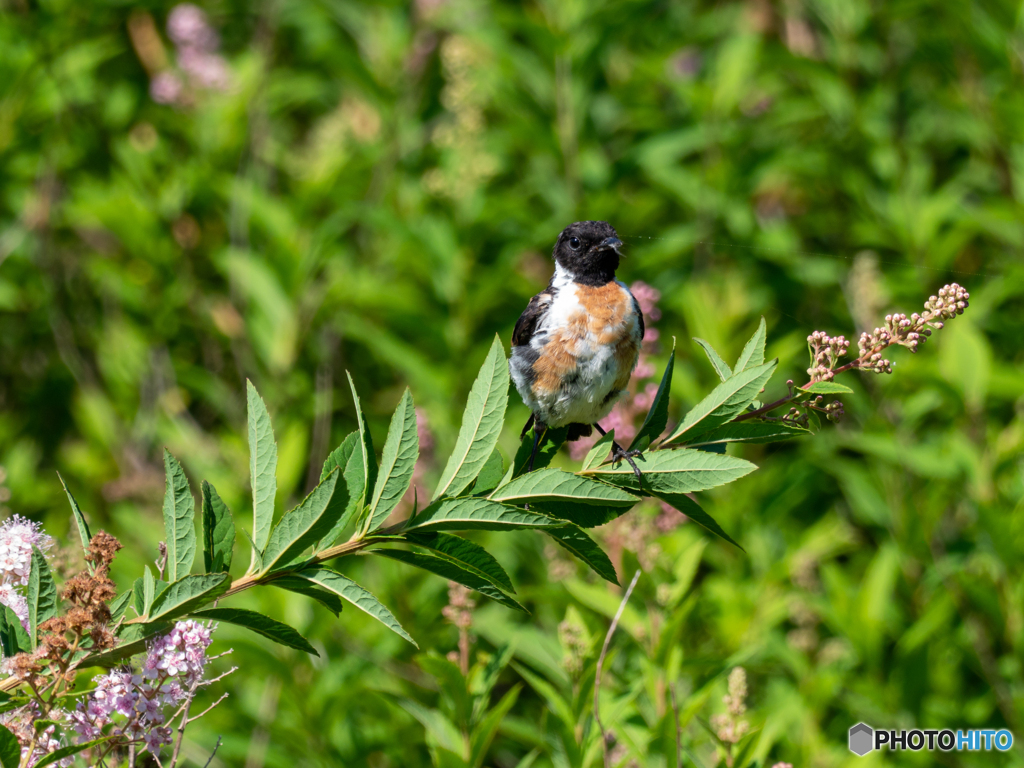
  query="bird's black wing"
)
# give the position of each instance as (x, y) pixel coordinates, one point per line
(639, 317)
(527, 322)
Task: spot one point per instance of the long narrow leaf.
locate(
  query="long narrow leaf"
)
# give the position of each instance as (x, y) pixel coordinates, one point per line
(218, 531)
(476, 514)
(753, 432)
(692, 510)
(368, 465)
(470, 556)
(10, 749)
(558, 485)
(262, 625)
(725, 401)
(179, 520)
(65, 752)
(586, 549)
(680, 471)
(328, 600)
(397, 462)
(583, 515)
(447, 569)
(350, 491)
(600, 451)
(348, 590)
(42, 595)
(657, 417)
(300, 527)
(481, 424)
(753, 351)
(721, 367)
(76, 513)
(188, 594)
(13, 637)
(262, 466)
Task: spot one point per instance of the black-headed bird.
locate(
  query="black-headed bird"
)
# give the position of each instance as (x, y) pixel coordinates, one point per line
(576, 345)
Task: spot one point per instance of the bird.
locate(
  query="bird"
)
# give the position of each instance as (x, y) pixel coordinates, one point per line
(578, 341)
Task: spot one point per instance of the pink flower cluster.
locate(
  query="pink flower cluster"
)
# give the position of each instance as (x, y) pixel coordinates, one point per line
(909, 332)
(173, 668)
(197, 47)
(825, 353)
(17, 537)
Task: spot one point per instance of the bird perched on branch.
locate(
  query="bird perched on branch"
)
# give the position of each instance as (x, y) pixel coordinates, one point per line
(576, 345)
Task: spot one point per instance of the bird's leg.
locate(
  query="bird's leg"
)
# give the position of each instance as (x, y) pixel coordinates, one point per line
(619, 454)
(526, 426)
(538, 430)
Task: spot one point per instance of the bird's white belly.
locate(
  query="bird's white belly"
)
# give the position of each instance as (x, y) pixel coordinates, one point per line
(580, 358)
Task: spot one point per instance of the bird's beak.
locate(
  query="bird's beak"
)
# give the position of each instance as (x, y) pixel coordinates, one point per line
(610, 243)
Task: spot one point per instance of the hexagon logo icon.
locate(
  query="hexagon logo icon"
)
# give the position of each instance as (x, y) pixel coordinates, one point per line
(862, 739)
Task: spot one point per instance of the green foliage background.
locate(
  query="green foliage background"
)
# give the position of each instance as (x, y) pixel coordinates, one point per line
(378, 191)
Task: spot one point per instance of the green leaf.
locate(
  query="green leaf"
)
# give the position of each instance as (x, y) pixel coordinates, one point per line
(179, 520)
(678, 471)
(657, 417)
(483, 733)
(481, 424)
(753, 352)
(218, 531)
(300, 527)
(725, 401)
(139, 596)
(257, 556)
(120, 605)
(328, 600)
(42, 595)
(450, 681)
(692, 510)
(368, 462)
(79, 518)
(13, 637)
(348, 590)
(10, 750)
(721, 367)
(188, 594)
(148, 590)
(64, 752)
(262, 467)
(753, 432)
(586, 549)
(490, 476)
(262, 625)
(397, 462)
(600, 451)
(547, 449)
(134, 638)
(465, 553)
(449, 570)
(557, 485)
(828, 388)
(350, 492)
(476, 514)
(583, 515)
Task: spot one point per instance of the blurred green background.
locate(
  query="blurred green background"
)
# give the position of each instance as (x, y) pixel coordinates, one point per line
(376, 187)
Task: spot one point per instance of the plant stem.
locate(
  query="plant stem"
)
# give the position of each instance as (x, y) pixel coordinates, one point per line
(605, 736)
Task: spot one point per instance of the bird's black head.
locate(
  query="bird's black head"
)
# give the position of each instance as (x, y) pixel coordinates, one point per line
(589, 252)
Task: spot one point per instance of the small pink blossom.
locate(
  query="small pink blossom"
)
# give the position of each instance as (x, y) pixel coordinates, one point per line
(17, 537)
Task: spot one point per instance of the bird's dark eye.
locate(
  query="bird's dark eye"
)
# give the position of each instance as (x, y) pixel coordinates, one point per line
(574, 243)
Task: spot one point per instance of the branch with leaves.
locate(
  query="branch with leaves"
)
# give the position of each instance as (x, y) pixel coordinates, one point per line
(349, 509)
